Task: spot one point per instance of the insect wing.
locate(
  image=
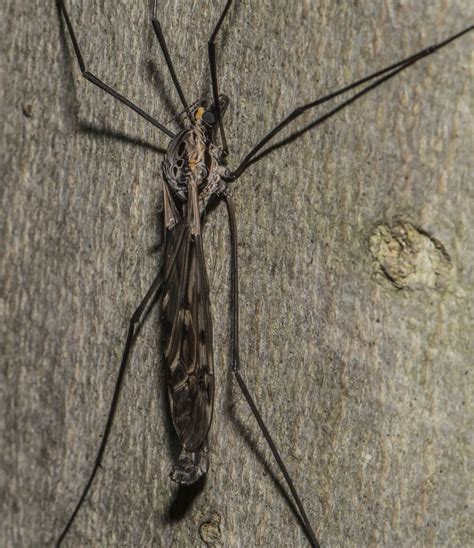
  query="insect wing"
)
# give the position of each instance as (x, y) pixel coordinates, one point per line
(188, 337)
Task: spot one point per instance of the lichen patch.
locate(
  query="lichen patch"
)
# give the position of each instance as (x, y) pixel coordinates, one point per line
(409, 257)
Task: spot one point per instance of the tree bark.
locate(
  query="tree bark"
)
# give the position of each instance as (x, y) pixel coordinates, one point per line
(355, 276)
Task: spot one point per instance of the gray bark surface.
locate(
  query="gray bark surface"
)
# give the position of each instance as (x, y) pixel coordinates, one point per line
(355, 275)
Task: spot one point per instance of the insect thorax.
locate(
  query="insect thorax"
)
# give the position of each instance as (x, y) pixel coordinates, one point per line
(191, 155)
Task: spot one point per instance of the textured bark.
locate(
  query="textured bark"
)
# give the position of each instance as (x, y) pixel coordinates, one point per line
(356, 276)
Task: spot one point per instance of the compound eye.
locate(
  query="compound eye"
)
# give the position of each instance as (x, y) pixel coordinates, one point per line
(209, 118)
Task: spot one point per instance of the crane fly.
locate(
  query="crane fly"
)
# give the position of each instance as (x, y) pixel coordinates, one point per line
(196, 176)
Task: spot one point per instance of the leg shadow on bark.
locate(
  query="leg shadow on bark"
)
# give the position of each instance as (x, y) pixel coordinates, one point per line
(251, 443)
(108, 133)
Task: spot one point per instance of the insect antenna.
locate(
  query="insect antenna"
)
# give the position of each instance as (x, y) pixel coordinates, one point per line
(389, 73)
(181, 115)
(99, 83)
(211, 48)
(235, 366)
(164, 49)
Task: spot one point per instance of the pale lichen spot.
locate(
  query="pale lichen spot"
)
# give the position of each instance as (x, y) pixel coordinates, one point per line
(409, 257)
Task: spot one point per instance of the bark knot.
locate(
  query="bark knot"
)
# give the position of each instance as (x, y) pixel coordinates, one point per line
(409, 257)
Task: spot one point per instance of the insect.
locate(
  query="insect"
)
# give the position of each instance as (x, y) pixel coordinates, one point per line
(195, 176)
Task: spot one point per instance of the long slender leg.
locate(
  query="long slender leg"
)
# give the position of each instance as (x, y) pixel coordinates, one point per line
(389, 72)
(322, 118)
(211, 48)
(91, 78)
(164, 49)
(151, 294)
(235, 365)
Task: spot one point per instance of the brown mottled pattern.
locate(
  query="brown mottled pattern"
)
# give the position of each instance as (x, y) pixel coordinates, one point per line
(190, 154)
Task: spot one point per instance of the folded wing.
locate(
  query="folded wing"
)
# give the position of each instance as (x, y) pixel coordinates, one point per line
(187, 330)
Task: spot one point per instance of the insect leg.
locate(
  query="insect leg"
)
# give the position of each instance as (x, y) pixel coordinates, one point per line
(164, 49)
(211, 48)
(151, 295)
(235, 365)
(386, 73)
(89, 76)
